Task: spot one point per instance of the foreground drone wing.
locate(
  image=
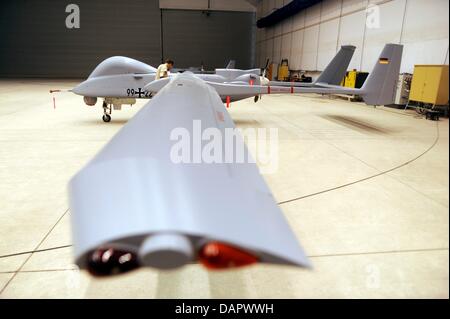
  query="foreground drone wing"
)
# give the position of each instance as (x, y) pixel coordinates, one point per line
(136, 205)
(140, 202)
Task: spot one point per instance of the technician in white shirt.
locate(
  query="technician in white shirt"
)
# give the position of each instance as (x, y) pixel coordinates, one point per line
(163, 69)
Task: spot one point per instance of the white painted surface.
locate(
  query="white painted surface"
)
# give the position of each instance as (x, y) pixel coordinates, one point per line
(297, 49)
(389, 31)
(298, 21)
(354, 36)
(277, 50)
(330, 10)
(350, 6)
(279, 4)
(278, 29)
(327, 43)
(309, 59)
(286, 46)
(429, 23)
(269, 49)
(313, 15)
(287, 25)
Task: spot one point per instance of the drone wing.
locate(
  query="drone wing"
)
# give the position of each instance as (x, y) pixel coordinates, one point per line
(143, 197)
(379, 88)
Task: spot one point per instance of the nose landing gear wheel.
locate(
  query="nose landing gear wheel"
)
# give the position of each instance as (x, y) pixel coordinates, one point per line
(106, 109)
(106, 118)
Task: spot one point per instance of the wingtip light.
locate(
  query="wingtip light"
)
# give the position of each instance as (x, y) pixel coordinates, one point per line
(219, 256)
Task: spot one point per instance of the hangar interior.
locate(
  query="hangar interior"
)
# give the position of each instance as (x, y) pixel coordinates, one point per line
(364, 189)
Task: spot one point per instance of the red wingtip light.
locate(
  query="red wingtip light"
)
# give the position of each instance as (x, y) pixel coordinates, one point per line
(216, 256)
(228, 101)
(110, 261)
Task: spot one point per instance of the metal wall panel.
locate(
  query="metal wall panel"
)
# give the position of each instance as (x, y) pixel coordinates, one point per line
(352, 33)
(310, 45)
(277, 50)
(299, 21)
(425, 33)
(36, 43)
(422, 26)
(262, 55)
(269, 50)
(328, 36)
(296, 50)
(220, 5)
(388, 31)
(351, 6)
(286, 42)
(287, 25)
(331, 9)
(192, 37)
(313, 15)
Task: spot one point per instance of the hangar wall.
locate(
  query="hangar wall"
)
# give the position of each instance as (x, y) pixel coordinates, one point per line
(311, 38)
(220, 5)
(225, 38)
(35, 41)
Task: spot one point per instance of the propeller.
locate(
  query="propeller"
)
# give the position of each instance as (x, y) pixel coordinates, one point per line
(264, 74)
(266, 68)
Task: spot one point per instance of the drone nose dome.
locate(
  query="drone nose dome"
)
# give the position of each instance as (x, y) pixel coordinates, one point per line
(121, 65)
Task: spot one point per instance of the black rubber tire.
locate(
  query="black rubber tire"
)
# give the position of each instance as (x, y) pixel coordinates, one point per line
(106, 118)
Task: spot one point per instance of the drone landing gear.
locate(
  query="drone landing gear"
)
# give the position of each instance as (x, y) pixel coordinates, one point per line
(106, 118)
(107, 110)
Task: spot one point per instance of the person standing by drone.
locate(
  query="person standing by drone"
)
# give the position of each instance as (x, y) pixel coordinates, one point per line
(163, 69)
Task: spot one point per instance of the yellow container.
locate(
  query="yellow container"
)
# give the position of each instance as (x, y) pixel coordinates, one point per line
(430, 84)
(283, 71)
(355, 79)
(350, 79)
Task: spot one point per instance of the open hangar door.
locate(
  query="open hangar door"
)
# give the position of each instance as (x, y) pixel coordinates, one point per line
(193, 37)
(37, 43)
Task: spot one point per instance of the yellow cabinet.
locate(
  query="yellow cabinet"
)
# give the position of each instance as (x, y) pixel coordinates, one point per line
(355, 79)
(283, 71)
(430, 84)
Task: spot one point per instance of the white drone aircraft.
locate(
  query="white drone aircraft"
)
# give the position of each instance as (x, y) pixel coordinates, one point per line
(131, 76)
(132, 206)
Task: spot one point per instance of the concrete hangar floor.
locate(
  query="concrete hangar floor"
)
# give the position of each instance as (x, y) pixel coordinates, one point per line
(364, 189)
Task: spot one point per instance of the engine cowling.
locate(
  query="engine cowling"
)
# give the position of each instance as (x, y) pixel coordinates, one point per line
(90, 101)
